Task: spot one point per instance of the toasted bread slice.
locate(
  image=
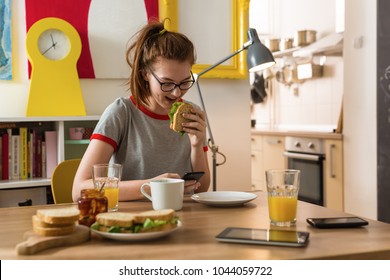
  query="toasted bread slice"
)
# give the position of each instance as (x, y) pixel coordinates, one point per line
(37, 222)
(163, 215)
(178, 118)
(66, 215)
(120, 219)
(54, 231)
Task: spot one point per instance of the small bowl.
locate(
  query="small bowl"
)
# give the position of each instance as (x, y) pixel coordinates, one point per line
(76, 133)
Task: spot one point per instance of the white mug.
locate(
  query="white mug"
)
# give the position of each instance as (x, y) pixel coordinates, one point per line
(165, 193)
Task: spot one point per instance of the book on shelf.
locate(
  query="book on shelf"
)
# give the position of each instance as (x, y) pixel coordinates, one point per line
(31, 153)
(43, 160)
(9, 132)
(51, 152)
(23, 152)
(4, 155)
(1, 155)
(38, 155)
(15, 154)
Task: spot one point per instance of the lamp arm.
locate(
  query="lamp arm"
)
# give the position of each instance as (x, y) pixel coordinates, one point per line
(204, 109)
(244, 47)
(211, 143)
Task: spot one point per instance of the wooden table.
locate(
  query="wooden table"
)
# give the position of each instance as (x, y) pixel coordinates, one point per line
(195, 239)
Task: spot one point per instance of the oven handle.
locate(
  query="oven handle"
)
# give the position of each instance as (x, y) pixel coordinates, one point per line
(302, 156)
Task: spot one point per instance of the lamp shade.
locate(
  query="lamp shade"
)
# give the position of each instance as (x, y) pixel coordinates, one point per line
(258, 56)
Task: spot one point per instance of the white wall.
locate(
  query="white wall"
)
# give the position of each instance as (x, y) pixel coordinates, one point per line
(315, 103)
(360, 149)
(227, 104)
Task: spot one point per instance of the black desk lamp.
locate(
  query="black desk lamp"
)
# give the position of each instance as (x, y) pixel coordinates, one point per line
(258, 58)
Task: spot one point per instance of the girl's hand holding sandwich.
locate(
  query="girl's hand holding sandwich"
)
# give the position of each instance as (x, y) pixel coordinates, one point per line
(196, 128)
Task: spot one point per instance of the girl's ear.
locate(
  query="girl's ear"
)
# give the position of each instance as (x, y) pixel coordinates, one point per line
(145, 75)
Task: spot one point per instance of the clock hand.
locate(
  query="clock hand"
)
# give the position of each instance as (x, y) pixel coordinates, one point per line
(48, 49)
(52, 40)
(52, 46)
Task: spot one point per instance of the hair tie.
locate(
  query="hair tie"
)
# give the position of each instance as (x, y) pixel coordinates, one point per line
(162, 31)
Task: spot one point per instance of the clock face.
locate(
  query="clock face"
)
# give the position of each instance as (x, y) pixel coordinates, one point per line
(53, 44)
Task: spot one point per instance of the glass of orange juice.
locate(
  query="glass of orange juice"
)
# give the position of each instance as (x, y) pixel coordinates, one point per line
(107, 177)
(282, 189)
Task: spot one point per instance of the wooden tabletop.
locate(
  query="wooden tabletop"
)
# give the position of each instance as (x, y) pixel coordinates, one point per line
(196, 238)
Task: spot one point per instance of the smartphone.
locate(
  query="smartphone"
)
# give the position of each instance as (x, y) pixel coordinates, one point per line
(339, 222)
(264, 236)
(192, 175)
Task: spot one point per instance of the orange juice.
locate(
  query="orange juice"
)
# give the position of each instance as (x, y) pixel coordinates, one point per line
(112, 194)
(282, 208)
(282, 188)
(283, 235)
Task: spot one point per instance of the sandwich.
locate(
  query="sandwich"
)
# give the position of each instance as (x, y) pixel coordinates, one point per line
(55, 222)
(123, 222)
(176, 116)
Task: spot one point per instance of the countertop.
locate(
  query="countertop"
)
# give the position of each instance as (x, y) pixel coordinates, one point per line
(296, 132)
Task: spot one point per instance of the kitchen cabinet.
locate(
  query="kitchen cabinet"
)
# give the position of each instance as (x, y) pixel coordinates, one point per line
(267, 153)
(257, 162)
(20, 189)
(273, 147)
(334, 188)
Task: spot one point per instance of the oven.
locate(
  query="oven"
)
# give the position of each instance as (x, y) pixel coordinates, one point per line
(307, 155)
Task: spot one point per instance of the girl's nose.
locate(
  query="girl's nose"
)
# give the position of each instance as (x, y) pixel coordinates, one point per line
(177, 92)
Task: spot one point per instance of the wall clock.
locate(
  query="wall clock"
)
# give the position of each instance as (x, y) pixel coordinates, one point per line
(53, 48)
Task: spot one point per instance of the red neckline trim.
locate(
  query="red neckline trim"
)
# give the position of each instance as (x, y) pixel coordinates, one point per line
(149, 113)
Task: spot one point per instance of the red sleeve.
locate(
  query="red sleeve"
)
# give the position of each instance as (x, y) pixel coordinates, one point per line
(105, 139)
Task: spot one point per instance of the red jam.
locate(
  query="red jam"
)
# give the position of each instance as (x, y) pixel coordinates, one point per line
(91, 203)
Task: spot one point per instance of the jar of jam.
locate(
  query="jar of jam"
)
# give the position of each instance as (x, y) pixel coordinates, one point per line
(91, 203)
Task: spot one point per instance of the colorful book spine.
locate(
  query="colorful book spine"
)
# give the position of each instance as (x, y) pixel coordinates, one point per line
(51, 152)
(38, 156)
(43, 160)
(23, 152)
(9, 131)
(1, 154)
(31, 151)
(4, 156)
(15, 154)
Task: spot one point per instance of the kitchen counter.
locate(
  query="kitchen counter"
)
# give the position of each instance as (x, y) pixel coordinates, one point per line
(295, 133)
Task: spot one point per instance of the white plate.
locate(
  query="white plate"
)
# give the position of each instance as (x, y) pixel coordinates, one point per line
(223, 198)
(136, 236)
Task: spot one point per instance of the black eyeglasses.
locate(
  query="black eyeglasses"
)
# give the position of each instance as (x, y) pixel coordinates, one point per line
(170, 86)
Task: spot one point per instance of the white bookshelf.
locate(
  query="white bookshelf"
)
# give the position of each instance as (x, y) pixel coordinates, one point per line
(66, 148)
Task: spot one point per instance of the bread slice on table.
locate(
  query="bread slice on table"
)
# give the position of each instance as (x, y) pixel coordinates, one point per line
(37, 222)
(53, 230)
(163, 215)
(45, 229)
(58, 216)
(121, 219)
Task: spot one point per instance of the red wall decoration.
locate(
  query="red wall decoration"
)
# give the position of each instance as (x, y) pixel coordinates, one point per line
(79, 13)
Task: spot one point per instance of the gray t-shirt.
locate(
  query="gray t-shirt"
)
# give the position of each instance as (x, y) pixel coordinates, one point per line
(142, 140)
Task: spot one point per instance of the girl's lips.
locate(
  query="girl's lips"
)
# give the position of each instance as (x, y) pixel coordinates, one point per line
(173, 100)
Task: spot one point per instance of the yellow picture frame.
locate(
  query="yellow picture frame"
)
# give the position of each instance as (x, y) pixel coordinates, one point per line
(237, 68)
